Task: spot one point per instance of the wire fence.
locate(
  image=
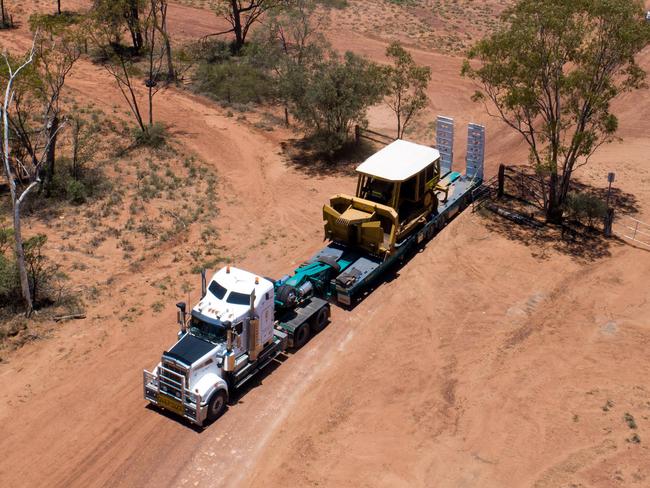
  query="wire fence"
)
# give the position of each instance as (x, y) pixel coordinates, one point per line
(371, 135)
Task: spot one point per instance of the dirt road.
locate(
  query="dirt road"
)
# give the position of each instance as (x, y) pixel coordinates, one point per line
(485, 362)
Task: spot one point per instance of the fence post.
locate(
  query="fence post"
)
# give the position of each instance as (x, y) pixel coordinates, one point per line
(502, 180)
(609, 221)
(357, 134)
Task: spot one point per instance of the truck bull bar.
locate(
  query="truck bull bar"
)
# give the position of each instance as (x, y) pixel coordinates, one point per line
(184, 403)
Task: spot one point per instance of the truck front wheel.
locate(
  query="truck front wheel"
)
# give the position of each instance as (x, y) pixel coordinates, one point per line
(217, 405)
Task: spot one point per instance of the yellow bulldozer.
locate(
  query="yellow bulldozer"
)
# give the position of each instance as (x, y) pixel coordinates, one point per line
(396, 192)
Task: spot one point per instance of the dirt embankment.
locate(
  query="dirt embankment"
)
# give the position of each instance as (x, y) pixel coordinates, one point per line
(480, 364)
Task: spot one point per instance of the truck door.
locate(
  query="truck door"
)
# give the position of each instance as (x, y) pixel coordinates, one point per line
(266, 319)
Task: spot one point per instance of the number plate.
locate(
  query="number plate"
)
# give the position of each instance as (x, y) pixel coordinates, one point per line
(170, 403)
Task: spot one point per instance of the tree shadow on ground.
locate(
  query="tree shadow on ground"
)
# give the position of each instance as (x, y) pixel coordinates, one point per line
(579, 242)
(307, 156)
(524, 222)
(622, 202)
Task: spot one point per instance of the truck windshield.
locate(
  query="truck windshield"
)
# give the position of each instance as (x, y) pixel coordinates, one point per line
(238, 298)
(209, 332)
(217, 290)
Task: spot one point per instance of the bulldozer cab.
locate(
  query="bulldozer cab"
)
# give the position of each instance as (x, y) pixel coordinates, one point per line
(376, 190)
(395, 188)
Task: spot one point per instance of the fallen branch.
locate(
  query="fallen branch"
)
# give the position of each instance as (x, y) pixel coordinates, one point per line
(513, 216)
(61, 318)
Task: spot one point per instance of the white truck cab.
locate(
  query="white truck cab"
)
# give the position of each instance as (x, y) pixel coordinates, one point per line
(228, 336)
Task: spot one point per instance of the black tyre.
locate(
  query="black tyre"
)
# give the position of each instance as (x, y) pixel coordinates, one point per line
(287, 295)
(319, 320)
(301, 336)
(217, 405)
(463, 204)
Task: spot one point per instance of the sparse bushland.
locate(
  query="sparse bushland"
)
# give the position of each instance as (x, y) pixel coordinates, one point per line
(290, 63)
(146, 22)
(325, 92)
(234, 81)
(330, 99)
(406, 86)
(96, 170)
(48, 285)
(242, 15)
(23, 177)
(139, 213)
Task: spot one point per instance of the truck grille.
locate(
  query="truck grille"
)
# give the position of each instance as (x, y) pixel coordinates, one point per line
(173, 379)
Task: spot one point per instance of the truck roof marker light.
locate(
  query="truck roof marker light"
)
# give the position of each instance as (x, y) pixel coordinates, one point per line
(257, 280)
(227, 269)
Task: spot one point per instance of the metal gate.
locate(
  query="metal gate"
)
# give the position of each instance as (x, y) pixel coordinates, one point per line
(633, 230)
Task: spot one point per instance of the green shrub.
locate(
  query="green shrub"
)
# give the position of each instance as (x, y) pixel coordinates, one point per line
(585, 208)
(41, 274)
(77, 185)
(9, 282)
(155, 136)
(335, 95)
(213, 51)
(234, 81)
(338, 4)
(76, 192)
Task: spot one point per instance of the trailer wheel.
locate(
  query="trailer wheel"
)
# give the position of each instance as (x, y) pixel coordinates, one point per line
(301, 336)
(217, 405)
(319, 320)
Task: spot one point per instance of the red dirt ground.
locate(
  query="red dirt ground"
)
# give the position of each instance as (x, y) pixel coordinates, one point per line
(486, 362)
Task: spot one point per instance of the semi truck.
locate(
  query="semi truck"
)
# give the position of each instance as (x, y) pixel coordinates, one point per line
(237, 328)
(243, 321)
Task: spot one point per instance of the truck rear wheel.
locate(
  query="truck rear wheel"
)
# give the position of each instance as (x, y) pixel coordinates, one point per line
(301, 336)
(217, 405)
(319, 320)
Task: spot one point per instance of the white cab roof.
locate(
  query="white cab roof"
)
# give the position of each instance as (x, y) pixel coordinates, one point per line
(399, 161)
(241, 281)
(234, 280)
